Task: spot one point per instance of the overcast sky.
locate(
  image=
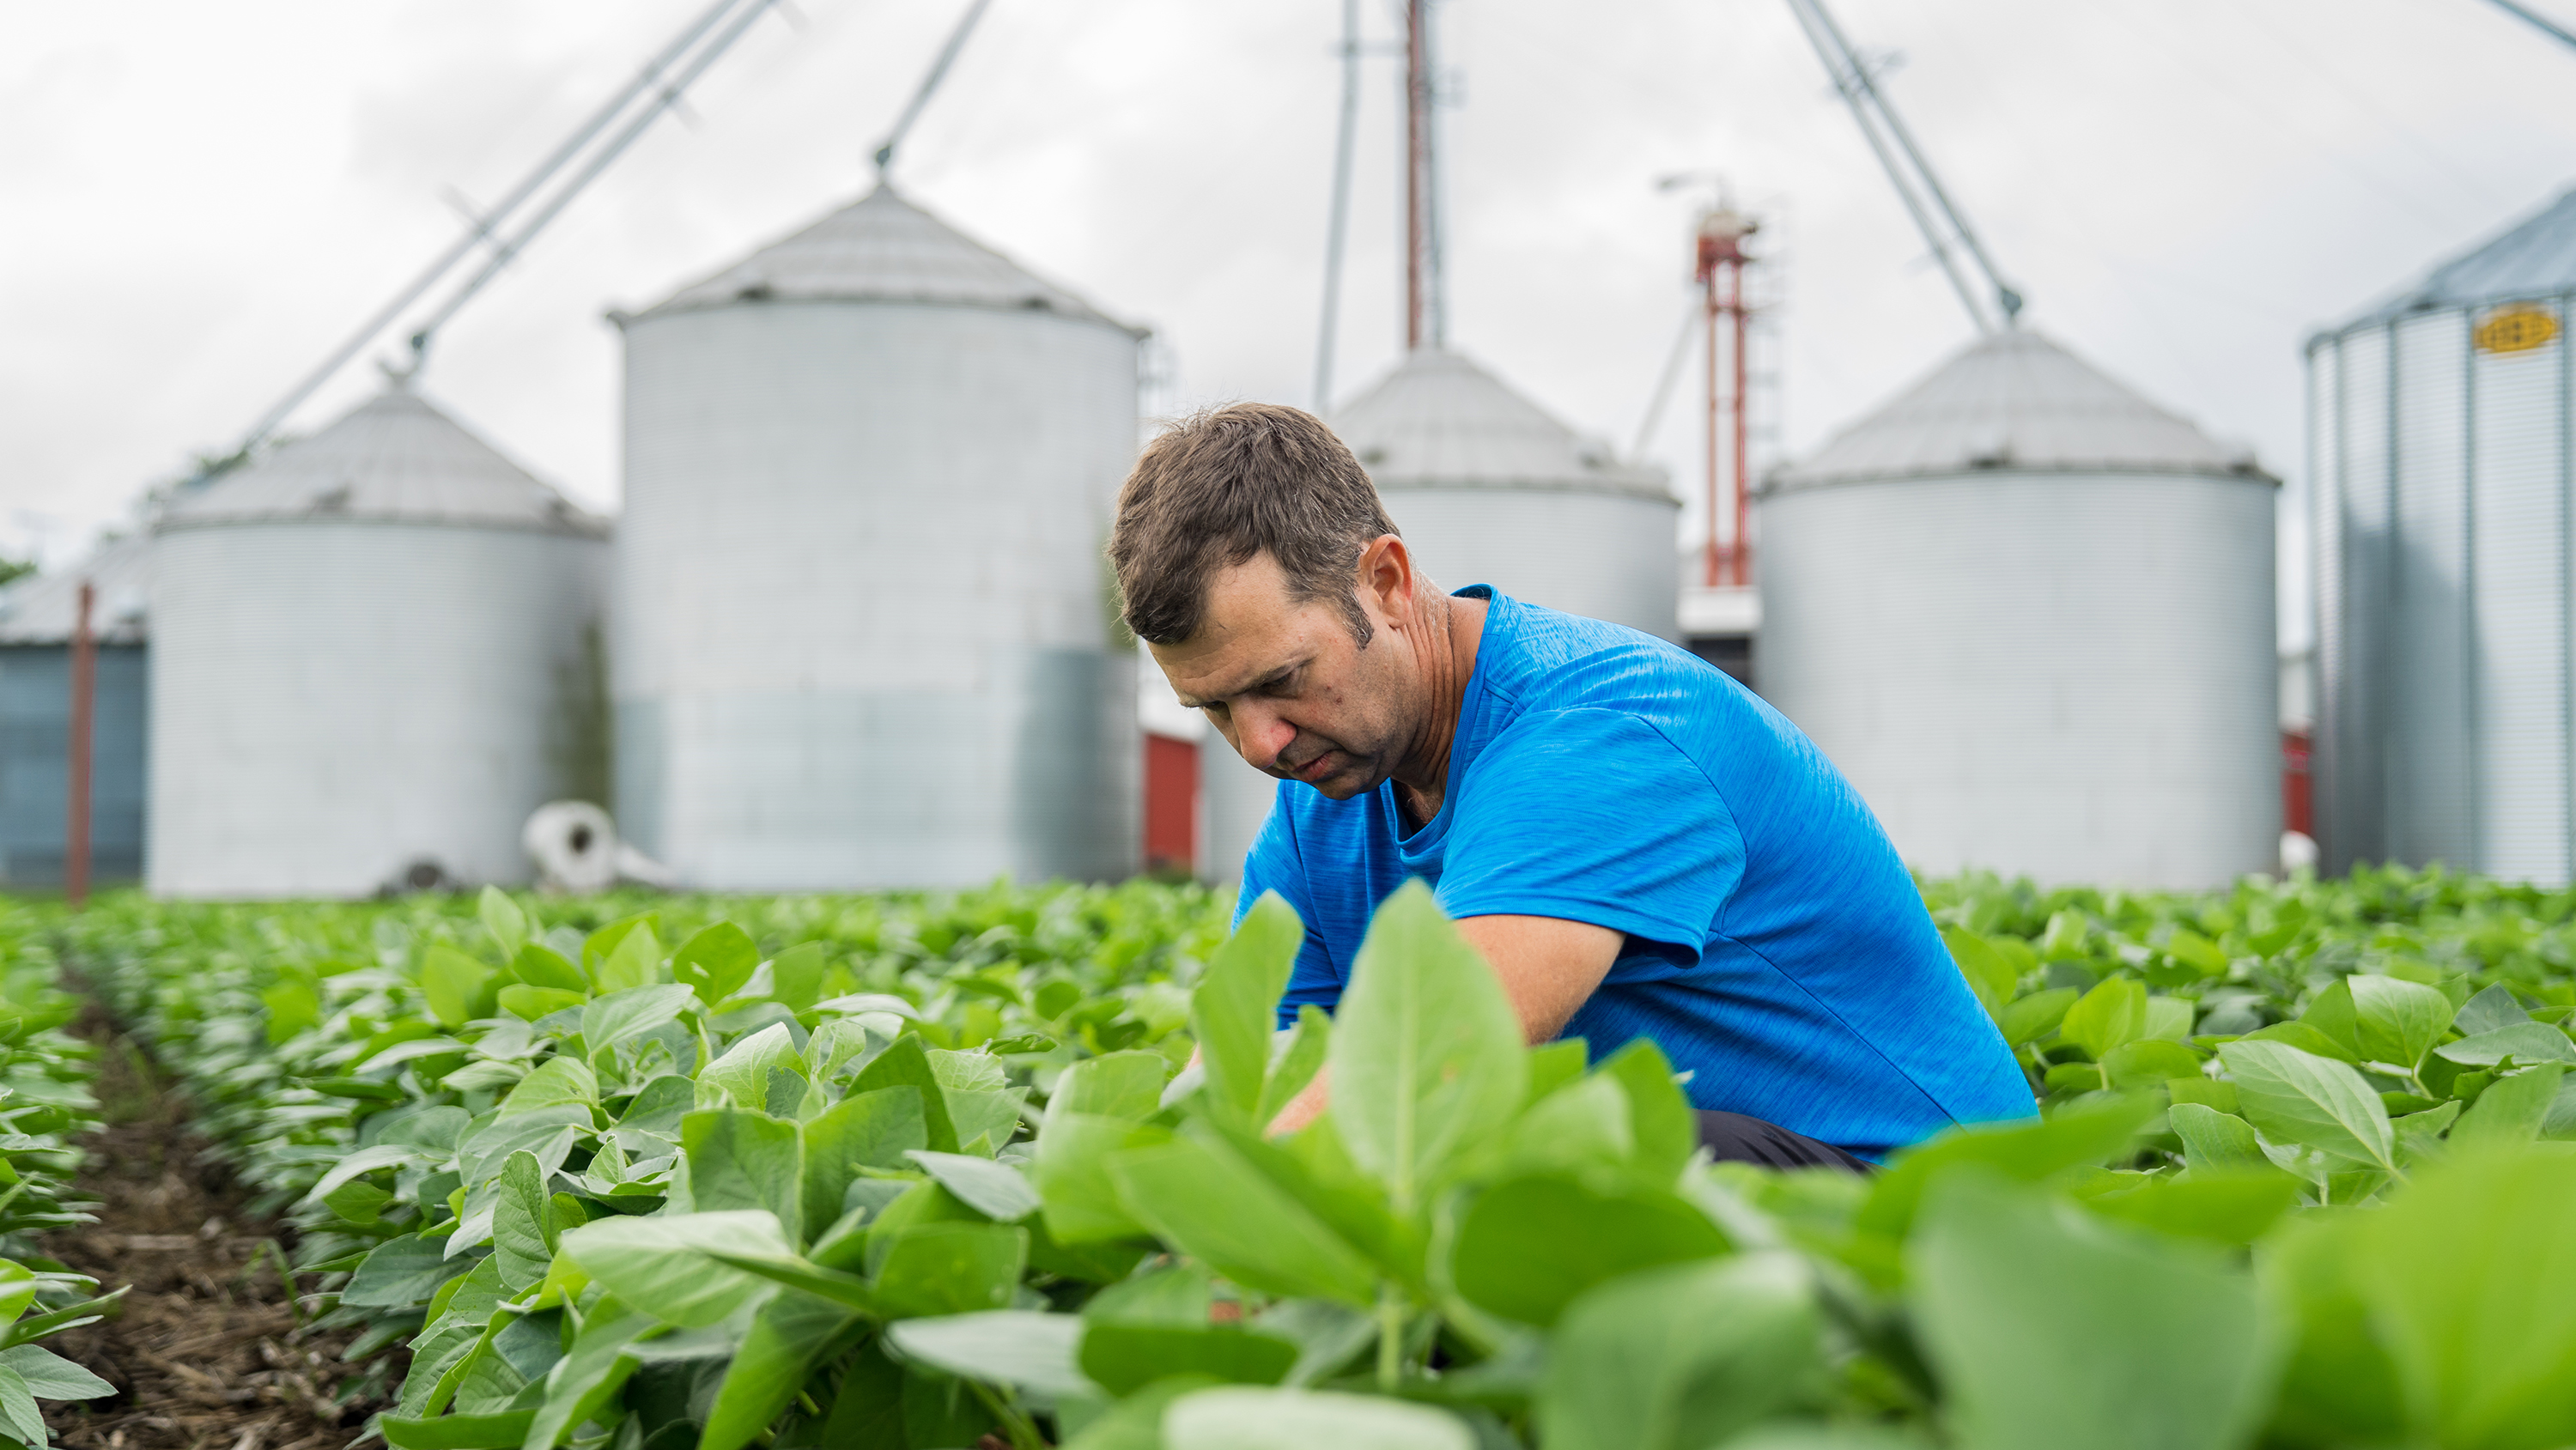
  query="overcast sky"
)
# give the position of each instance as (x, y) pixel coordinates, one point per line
(197, 200)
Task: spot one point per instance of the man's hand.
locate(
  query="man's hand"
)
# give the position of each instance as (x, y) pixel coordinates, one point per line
(1549, 968)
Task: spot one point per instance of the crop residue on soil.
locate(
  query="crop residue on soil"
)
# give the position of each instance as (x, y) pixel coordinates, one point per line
(208, 1353)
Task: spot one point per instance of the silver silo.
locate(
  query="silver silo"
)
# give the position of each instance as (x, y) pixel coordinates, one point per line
(2439, 448)
(2030, 616)
(374, 653)
(1487, 489)
(865, 635)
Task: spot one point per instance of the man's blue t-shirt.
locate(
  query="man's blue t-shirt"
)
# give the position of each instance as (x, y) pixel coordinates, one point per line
(1776, 951)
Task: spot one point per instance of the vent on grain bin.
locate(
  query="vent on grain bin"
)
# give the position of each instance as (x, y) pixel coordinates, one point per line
(2441, 471)
(363, 645)
(2030, 615)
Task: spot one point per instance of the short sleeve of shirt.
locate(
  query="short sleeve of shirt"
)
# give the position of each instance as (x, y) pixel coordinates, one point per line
(1595, 816)
(1273, 864)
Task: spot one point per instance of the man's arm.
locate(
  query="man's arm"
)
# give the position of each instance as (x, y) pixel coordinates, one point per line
(1549, 968)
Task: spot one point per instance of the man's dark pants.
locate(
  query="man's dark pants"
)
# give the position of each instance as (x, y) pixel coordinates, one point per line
(1735, 1138)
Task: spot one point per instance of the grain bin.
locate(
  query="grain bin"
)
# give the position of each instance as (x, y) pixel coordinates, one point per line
(1487, 488)
(374, 652)
(37, 617)
(2030, 616)
(865, 634)
(2438, 443)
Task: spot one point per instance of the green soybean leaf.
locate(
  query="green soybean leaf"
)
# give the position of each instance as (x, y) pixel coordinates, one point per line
(1309, 1042)
(2337, 1014)
(457, 988)
(1528, 1248)
(523, 1240)
(865, 1130)
(2083, 1135)
(2051, 1330)
(740, 1160)
(557, 1082)
(2196, 952)
(1583, 1124)
(17, 1289)
(1240, 1417)
(1117, 1085)
(2233, 1206)
(661, 1265)
(2036, 1015)
(582, 1383)
(2397, 1021)
(457, 1432)
(907, 1064)
(2511, 1110)
(503, 919)
(1071, 1170)
(49, 1376)
(2307, 1039)
(2337, 1386)
(742, 1070)
(1680, 1358)
(1236, 1005)
(2169, 1018)
(636, 961)
(2469, 1279)
(788, 1337)
(1427, 1053)
(951, 1268)
(1123, 1358)
(996, 1190)
(1016, 1347)
(401, 1271)
(2113, 1013)
(538, 965)
(2215, 1140)
(2316, 1102)
(2521, 1041)
(1660, 1118)
(796, 976)
(622, 1016)
(2488, 1010)
(2148, 1062)
(715, 963)
(1216, 1206)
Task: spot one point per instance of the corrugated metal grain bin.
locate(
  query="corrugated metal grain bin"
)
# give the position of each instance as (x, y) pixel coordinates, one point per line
(865, 634)
(2439, 451)
(374, 653)
(37, 617)
(2030, 615)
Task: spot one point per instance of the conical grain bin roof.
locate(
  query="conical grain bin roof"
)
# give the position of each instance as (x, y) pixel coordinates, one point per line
(2014, 400)
(1441, 421)
(392, 459)
(881, 248)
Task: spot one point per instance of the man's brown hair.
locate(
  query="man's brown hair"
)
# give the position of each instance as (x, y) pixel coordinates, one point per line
(1221, 486)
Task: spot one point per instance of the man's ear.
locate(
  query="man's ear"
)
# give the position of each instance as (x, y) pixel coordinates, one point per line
(1386, 577)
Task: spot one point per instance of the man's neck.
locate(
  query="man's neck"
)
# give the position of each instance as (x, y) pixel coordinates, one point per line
(1454, 627)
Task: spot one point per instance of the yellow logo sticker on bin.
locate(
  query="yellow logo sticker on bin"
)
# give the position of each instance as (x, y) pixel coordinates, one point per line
(2518, 327)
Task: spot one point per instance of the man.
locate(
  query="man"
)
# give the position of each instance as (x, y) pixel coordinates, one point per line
(1637, 845)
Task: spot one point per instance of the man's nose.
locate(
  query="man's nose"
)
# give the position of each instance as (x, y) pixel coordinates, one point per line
(1260, 735)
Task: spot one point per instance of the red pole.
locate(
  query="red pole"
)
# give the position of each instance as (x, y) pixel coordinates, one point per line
(1417, 164)
(84, 691)
(1709, 276)
(1743, 543)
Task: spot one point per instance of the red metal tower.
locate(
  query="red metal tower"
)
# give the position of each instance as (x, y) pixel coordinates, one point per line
(1719, 269)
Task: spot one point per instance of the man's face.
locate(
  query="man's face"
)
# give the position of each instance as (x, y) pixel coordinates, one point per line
(1289, 687)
